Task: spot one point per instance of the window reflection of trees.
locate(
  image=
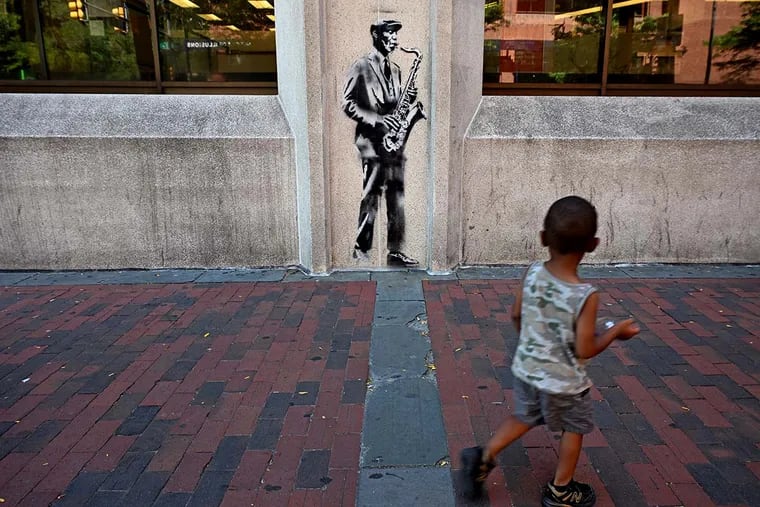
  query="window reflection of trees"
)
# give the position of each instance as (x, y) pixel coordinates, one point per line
(236, 43)
(113, 40)
(738, 50)
(648, 42)
(17, 56)
(576, 46)
(87, 50)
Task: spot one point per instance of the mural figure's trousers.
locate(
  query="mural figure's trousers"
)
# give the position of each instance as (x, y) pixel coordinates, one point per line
(387, 175)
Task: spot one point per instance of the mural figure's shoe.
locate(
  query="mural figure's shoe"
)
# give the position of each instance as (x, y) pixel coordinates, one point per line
(401, 259)
(359, 255)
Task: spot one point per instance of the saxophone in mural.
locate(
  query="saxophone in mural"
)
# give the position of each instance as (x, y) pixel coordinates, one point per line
(406, 114)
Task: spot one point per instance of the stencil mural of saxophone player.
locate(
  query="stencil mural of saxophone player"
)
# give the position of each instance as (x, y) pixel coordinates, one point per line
(384, 113)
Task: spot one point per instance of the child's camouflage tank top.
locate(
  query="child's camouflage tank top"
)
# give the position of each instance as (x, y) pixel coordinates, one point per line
(544, 357)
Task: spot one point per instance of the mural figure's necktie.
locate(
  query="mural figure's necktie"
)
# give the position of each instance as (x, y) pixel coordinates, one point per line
(388, 80)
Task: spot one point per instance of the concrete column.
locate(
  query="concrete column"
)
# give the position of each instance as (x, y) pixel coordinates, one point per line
(300, 77)
(456, 28)
(316, 43)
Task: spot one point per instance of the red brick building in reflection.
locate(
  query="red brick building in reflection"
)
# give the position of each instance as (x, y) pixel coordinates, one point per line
(652, 41)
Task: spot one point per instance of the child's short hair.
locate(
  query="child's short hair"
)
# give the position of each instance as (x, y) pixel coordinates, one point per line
(570, 225)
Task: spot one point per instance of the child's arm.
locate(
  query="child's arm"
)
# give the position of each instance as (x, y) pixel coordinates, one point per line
(587, 343)
(517, 305)
(517, 310)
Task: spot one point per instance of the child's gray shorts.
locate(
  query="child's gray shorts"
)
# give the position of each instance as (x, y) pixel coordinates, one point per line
(560, 412)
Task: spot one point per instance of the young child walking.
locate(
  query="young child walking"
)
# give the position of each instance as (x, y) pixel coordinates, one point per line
(555, 315)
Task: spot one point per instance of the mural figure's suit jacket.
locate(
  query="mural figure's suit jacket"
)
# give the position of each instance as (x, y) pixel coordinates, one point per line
(367, 96)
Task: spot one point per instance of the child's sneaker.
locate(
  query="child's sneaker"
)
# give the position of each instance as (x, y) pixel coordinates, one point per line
(474, 471)
(574, 494)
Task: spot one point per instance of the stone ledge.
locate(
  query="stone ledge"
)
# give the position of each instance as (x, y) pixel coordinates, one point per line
(618, 118)
(142, 116)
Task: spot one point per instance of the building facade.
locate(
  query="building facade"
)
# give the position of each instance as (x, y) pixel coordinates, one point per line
(189, 165)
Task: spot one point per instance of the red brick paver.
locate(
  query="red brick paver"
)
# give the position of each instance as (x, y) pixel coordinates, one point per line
(677, 408)
(189, 393)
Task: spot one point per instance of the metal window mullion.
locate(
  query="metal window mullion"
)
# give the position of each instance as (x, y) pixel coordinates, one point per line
(606, 46)
(40, 40)
(708, 67)
(154, 44)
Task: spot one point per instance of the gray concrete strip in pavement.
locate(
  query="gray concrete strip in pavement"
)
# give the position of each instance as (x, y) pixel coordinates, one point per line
(241, 275)
(400, 285)
(112, 277)
(404, 458)
(403, 425)
(489, 272)
(690, 270)
(296, 275)
(13, 278)
(400, 352)
(398, 313)
(646, 270)
(600, 271)
(391, 284)
(404, 285)
(405, 487)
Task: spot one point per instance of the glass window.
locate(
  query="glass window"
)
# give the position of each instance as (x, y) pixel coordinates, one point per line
(204, 40)
(644, 42)
(104, 40)
(545, 42)
(19, 53)
(116, 41)
(650, 43)
(720, 43)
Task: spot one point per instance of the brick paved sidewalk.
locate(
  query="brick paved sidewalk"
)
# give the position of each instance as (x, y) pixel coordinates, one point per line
(677, 409)
(183, 394)
(254, 393)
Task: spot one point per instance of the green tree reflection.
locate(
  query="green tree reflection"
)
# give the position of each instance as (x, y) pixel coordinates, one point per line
(740, 46)
(78, 50)
(16, 55)
(576, 51)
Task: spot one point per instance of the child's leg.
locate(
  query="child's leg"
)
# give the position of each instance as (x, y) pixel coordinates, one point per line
(509, 431)
(564, 491)
(573, 415)
(569, 452)
(526, 414)
(477, 462)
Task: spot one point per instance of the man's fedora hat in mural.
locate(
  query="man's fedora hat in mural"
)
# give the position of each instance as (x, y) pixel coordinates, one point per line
(386, 24)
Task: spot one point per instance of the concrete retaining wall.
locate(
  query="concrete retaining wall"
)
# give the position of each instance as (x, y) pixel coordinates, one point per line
(673, 180)
(106, 181)
(136, 181)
